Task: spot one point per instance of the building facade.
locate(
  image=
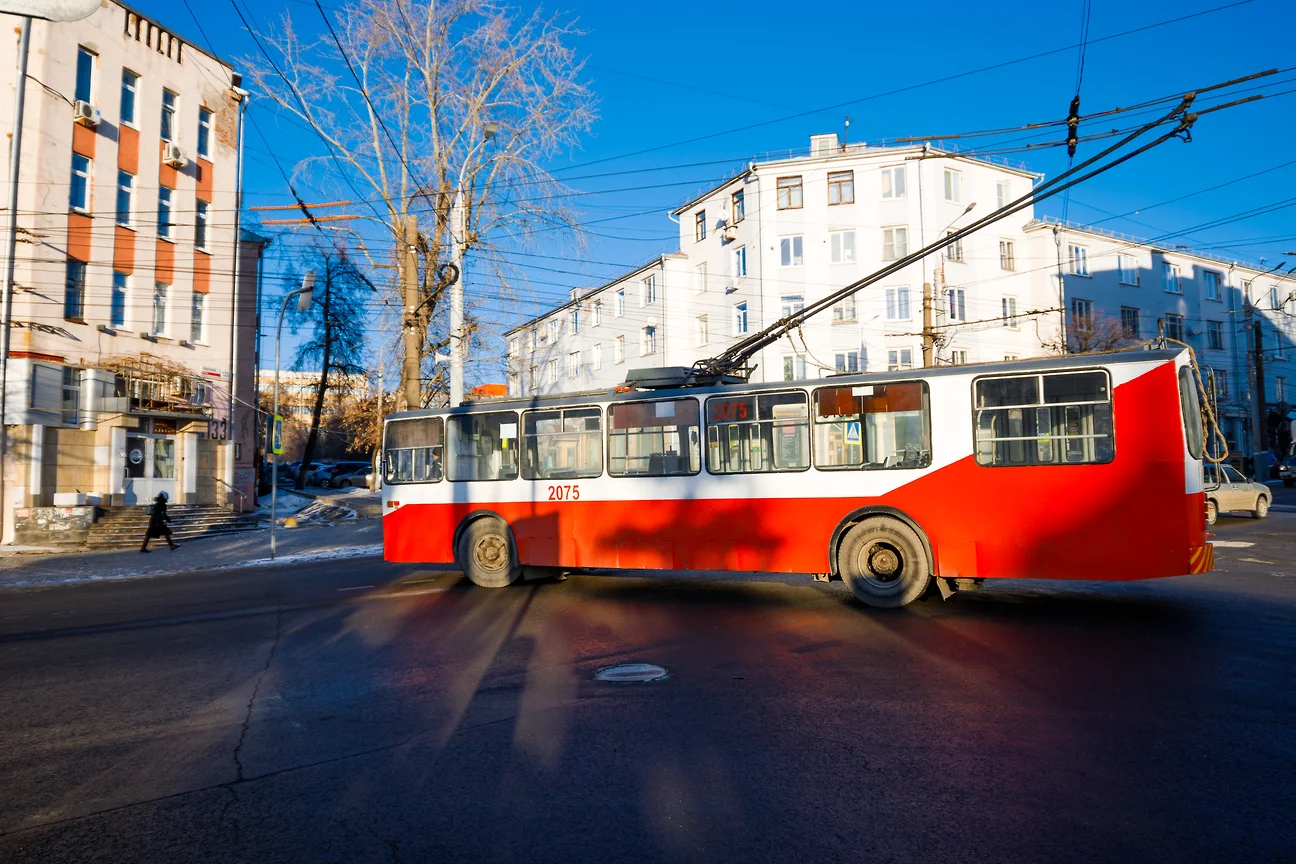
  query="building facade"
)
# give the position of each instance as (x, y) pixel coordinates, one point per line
(124, 312)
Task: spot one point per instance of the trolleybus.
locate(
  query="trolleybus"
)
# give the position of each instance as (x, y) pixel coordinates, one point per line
(1081, 467)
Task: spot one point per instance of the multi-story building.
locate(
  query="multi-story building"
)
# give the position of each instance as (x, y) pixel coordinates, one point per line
(124, 318)
(1121, 291)
(786, 233)
(297, 390)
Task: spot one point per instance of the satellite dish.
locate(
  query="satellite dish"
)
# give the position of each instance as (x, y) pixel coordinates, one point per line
(51, 10)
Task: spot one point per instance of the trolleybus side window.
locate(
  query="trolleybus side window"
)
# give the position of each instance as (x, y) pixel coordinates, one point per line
(1191, 409)
(562, 443)
(872, 426)
(1059, 419)
(484, 446)
(654, 439)
(413, 450)
(757, 433)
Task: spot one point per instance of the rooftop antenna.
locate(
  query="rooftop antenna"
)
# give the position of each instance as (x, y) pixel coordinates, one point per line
(846, 134)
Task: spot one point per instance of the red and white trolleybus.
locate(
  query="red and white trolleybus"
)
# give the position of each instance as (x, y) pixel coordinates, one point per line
(1083, 467)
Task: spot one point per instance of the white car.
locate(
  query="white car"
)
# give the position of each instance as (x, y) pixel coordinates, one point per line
(1228, 491)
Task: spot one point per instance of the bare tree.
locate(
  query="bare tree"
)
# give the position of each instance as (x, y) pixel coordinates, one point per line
(417, 100)
(1091, 334)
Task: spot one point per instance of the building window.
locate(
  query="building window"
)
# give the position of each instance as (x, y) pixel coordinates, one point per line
(551, 373)
(648, 295)
(531, 341)
(953, 186)
(200, 225)
(648, 341)
(79, 197)
(1212, 282)
(164, 212)
(160, 291)
(841, 187)
(740, 319)
(554, 324)
(573, 364)
(789, 193)
(700, 278)
(740, 262)
(1174, 327)
(739, 207)
(71, 403)
(1215, 335)
(1129, 322)
(701, 331)
(899, 358)
(1273, 298)
(1079, 260)
(1081, 313)
(957, 304)
(1128, 269)
(794, 367)
(841, 247)
(847, 361)
(699, 225)
(897, 304)
(125, 197)
(168, 115)
(85, 76)
(1170, 278)
(533, 380)
(959, 357)
(204, 133)
(845, 310)
(954, 251)
(596, 313)
(1009, 314)
(513, 347)
(893, 182)
(129, 86)
(790, 304)
(895, 243)
(1280, 389)
(790, 251)
(74, 291)
(1003, 194)
(596, 357)
(618, 350)
(120, 292)
(619, 308)
(1007, 260)
(197, 319)
(575, 321)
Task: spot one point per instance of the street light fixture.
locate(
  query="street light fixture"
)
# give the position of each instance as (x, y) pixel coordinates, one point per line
(303, 295)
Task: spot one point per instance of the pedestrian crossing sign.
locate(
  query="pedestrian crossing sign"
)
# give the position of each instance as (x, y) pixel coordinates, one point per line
(276, 436)
(853, 432)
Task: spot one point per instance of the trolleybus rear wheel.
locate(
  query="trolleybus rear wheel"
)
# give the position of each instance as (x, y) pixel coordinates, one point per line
(487, 556)
(883, 562)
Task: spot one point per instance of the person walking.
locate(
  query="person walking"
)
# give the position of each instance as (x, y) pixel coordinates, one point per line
(157, 526)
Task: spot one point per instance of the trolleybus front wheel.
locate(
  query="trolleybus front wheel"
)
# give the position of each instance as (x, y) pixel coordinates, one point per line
(486, 554)
(883, 562)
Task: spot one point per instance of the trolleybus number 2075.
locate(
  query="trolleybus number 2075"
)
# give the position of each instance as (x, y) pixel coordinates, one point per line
(1081, 467)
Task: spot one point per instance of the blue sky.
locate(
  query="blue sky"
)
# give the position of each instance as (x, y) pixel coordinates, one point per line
(684, 82)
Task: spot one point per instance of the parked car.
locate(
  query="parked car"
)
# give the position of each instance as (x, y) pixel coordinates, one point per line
(318, 472)
(1228, 491)
(345, 475)
(1287, 470)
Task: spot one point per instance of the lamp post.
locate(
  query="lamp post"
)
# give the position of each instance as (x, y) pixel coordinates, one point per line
(303, 295)
(929, 329)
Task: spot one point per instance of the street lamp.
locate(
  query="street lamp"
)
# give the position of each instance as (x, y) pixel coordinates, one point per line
(303, 295)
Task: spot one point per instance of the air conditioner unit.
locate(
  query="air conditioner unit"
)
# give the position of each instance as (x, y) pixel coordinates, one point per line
(731, 286)
(729, 233)
(174, 156)
(85, 113)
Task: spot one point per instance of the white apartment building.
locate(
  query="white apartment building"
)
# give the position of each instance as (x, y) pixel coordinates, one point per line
(785, 233)
(1137, 290)
(124, 315)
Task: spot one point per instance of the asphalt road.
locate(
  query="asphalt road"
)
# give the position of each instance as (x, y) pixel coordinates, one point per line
(357, 711)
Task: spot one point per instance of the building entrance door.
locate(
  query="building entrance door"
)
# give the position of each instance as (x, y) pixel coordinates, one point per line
(150, 467)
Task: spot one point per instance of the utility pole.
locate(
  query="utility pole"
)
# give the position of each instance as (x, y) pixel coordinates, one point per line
(928, 329)
(412, 369)
(458, 345)
(1258, 404)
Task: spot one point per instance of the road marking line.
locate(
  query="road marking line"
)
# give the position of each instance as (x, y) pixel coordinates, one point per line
(1259, 561)
(356, 588)
(1232, 544)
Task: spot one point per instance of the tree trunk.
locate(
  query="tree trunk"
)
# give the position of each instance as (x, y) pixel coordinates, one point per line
(308, 455)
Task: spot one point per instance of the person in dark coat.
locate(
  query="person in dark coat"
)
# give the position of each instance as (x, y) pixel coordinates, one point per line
(157, 526)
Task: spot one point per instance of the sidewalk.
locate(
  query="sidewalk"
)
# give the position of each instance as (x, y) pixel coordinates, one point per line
(349, 539)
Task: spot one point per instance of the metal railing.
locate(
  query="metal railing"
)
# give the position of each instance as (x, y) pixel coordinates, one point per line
(242, 497)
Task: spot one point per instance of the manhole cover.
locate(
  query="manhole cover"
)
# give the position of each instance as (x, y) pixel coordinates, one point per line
(631, 672)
